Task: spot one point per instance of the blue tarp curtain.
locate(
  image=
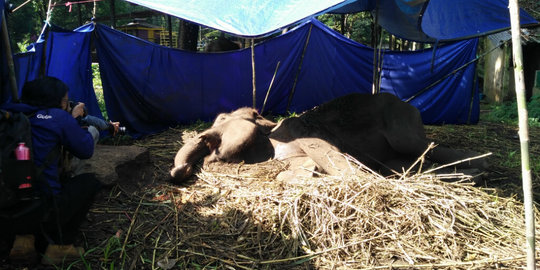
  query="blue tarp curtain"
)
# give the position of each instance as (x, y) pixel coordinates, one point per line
(68, 58)
(437, 20)
(419, 20)
(149, 87)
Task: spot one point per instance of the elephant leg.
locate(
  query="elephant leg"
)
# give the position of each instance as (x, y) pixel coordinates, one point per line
(190, 153)
(404, 164)
(325, 155)
(415, 147)
(445, 155)
(405, 133)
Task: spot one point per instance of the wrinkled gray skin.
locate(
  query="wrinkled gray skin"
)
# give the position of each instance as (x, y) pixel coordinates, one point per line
(381, 131)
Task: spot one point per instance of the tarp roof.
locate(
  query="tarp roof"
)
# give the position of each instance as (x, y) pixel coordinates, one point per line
(248, 18)
(418, 20)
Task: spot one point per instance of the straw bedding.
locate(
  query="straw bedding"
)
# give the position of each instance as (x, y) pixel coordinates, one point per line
(238, 217)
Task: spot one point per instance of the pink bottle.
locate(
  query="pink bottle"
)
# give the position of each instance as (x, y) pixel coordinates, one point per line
(22, 152)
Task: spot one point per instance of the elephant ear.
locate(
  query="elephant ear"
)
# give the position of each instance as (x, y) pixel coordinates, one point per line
(212, 140)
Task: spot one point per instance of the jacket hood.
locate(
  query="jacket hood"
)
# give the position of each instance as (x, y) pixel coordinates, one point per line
(19, 107)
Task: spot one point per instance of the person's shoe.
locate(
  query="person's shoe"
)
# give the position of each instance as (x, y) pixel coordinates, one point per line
(56, 254)
(23, 250)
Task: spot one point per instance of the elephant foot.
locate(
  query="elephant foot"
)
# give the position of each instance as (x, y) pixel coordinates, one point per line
(300, 167)
(180, 173)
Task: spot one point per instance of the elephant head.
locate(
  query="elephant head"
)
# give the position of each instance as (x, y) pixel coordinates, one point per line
(241, 135)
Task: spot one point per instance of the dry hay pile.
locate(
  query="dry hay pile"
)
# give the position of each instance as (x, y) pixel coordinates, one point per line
(240, 217)
(244, 219)
(364, 221)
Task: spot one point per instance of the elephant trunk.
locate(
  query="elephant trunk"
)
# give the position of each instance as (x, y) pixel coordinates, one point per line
(189, 154)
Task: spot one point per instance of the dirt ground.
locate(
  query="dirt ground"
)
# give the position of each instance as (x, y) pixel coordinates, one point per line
(110, 223)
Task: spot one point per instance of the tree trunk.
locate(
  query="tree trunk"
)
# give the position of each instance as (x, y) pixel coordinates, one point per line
(188, 36)
(342, 22)
(113, 14)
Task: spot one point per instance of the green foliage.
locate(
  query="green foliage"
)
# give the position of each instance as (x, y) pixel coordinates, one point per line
(356, 26)
(507, 112)
(281, 117)
(98, 89)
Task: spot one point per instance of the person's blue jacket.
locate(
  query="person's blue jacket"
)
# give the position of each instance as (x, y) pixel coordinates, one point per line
(52, 127)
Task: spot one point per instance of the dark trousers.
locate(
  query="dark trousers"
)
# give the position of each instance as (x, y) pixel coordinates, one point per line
(57, 218)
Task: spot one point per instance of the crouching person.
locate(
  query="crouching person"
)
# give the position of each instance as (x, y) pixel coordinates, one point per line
(53, 225)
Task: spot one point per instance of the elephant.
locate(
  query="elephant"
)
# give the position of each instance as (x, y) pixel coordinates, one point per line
(380, 131)
(221, 44)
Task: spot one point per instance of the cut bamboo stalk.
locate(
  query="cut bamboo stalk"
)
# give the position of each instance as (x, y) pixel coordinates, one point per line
(253, 73)
(523, 132)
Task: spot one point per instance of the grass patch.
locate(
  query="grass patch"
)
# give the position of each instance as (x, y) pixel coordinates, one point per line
(507, 112)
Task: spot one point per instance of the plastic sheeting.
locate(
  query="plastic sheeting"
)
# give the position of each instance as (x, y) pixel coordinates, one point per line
(148, 87)
(242, 17)
(438, 20)
(418, 20)
(68, 59)
(468, 18)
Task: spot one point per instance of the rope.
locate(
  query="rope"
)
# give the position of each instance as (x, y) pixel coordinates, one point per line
(70, 4)
(454, 71)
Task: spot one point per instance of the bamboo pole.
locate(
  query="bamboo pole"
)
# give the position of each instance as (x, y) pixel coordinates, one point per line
(523, 132)
(253, 73)
(9, 58)
(270, 87)
(299, 68)
(375, 36)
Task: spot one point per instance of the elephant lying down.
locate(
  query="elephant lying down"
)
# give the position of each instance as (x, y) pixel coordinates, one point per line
(381, 131)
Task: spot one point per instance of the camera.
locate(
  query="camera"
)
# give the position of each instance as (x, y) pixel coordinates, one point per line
(121, 130)
(72, 105)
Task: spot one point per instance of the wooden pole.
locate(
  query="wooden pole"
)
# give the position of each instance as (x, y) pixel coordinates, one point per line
(253, 73)
(169, 24)
(9, 58)
(299, 69)
(374, 37)
(523, 133)
(270, 87)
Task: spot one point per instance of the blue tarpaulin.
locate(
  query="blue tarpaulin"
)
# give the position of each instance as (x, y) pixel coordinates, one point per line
(242, 17)
(67, 57)
(148, 87)
(468, 18)
(419, 20)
